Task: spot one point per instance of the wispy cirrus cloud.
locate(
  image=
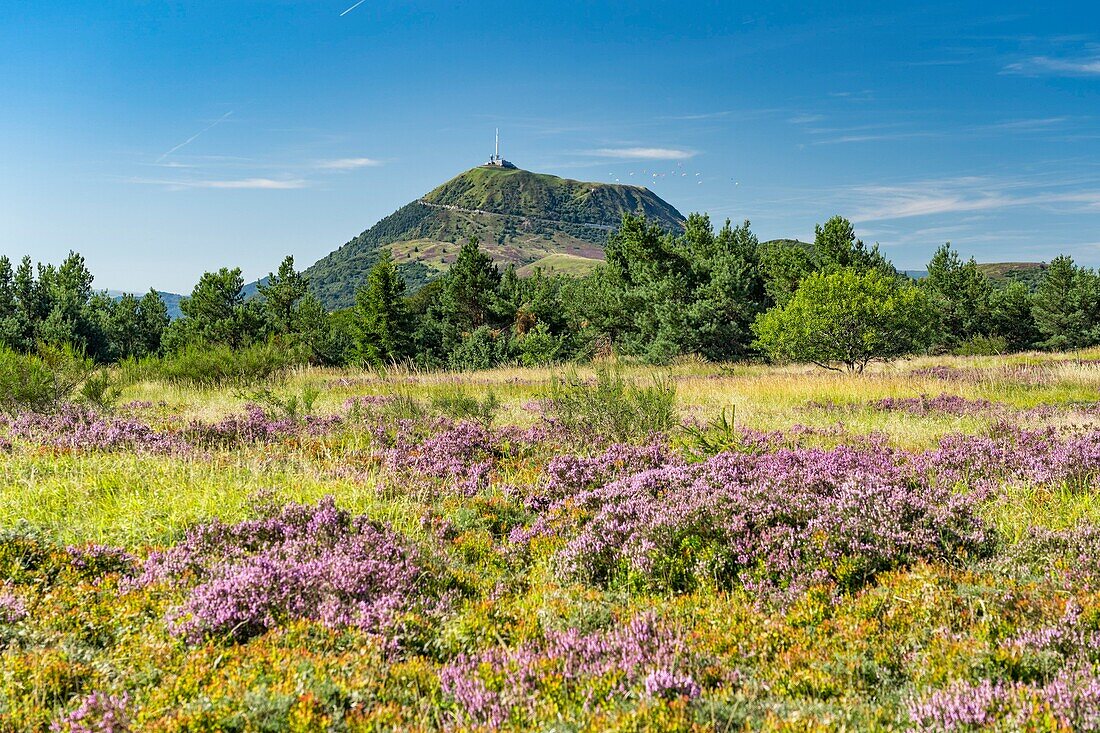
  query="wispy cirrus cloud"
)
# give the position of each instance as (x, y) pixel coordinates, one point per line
(644, 153)
(1054, 66)
(269, 184)
(348, 164)
(962, 195)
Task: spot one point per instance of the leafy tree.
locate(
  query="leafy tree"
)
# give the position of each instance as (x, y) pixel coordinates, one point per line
(662, 295)
(383, 326)
(784, 266)
(847, 317)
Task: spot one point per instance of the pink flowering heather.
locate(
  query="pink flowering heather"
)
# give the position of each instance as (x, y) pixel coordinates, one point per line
(254, 426)
(501, 683)
(670, 685)
(93, 561)
(12, 608)
(461, 454)
(306, 562)
(97, 713)
(78, 429)
(788, 518)
(1020, 456)
(1071, 700)
(941, 404)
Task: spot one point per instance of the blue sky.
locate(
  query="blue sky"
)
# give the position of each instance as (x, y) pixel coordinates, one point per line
(161, 139)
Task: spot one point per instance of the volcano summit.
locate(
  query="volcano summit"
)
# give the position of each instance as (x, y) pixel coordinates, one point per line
(527, 219)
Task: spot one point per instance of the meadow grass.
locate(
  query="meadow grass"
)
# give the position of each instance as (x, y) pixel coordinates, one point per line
(497, 631)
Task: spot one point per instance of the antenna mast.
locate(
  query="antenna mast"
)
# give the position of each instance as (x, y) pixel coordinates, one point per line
(497, 153)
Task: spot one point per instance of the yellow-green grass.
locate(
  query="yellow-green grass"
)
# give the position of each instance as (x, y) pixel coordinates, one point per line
(135, 500)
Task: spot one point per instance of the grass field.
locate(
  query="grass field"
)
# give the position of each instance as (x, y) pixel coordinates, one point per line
(794, 549)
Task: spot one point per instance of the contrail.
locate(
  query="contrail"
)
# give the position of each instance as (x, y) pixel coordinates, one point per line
(192, 139)
(353, 7)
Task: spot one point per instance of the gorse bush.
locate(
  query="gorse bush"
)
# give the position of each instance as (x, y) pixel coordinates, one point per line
(611, 408)
(40, 382)
(213, 365)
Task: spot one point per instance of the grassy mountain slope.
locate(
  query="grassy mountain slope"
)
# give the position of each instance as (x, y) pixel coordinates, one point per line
(519, 217)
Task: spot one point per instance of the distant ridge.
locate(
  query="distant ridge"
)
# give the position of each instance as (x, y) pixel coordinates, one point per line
(171, 300)
(522, 218)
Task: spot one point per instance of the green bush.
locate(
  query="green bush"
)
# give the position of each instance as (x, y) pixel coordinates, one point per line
(479, 349)
(214, 365)
(40, 382)
(277, 406)
(611, 408)
(982, 346)
(463, 406)
(100, 391)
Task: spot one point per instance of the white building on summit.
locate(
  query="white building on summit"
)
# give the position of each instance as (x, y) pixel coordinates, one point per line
(495, 161)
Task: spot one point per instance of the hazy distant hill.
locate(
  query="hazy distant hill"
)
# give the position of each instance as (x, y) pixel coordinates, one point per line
(171, 301)
(522, 218)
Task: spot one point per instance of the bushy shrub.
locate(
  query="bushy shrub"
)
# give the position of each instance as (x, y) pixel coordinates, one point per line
(610, 408)
(982, 346)
(100, 391)
(40, 382)
(479, 349)
(461, 405)
(539, 346)
(212, 365)
(290, 406)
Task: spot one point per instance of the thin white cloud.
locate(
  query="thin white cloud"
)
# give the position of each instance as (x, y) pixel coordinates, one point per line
(348, 164)
(1048, 65)
(873, 138)
(960, 195)
(271, 184)
(805, 119)
(1030, 125)
(644, 153)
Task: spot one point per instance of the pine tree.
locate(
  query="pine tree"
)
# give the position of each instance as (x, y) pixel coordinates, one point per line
(384, 329)
(281, 296)
(1056, 306)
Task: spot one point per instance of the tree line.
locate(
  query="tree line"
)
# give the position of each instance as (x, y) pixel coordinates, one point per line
(719, 294)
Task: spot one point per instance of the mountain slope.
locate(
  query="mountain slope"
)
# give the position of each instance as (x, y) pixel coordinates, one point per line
(519, 217)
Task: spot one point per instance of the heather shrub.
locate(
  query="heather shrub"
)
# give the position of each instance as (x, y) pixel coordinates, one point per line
(96, 713)
(778, 521)
(40, 382)
(74, 428)
(316, 563)
(611, 409)
(1071, 701)
(212, 365)
(569, 669)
